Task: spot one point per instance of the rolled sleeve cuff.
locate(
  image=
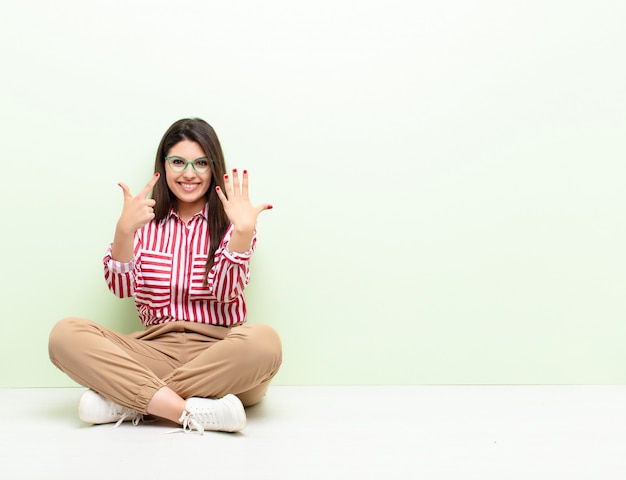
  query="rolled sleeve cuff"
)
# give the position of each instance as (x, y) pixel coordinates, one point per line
(238, 258)
(120, 267)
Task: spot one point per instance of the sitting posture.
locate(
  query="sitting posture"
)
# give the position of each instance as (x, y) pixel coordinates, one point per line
(183, 253)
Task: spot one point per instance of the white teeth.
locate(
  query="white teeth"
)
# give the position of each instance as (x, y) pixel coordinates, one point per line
(188, 186)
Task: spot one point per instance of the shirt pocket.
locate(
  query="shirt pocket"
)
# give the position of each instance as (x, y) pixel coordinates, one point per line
(154, 279)
(197, 289)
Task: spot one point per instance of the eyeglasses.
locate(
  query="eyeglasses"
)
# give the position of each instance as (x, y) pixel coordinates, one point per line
(178, 164)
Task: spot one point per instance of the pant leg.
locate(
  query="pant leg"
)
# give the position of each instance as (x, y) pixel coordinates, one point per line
(242, 362)
(108, 362)
(192, 359)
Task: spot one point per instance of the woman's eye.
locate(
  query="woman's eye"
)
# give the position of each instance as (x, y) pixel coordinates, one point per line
(177, 162)
(202, 163)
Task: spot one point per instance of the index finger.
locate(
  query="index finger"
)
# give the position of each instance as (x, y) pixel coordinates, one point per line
(146, 190)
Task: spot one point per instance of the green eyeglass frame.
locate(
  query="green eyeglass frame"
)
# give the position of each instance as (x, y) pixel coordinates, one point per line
(181, 168)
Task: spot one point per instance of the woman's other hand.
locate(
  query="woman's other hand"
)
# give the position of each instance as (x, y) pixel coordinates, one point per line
(240, 211)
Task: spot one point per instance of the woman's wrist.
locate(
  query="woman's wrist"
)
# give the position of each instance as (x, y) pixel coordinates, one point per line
(240, 239)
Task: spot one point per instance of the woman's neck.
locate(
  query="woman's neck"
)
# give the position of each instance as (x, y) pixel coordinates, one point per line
(187, 211)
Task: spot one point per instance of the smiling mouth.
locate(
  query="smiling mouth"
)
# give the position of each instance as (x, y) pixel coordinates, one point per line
(188, 186)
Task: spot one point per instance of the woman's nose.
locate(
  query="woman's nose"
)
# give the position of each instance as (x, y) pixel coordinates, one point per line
(189, 172)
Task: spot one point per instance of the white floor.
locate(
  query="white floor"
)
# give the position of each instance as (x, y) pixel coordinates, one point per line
(426, 432)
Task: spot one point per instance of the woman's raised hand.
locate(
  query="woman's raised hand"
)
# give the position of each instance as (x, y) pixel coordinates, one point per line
(138, 210)
(241, 213)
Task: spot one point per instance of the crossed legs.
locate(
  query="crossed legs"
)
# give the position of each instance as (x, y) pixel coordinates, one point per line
(155, 371)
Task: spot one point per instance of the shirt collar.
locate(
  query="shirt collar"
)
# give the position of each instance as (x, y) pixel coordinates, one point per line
(204, 213)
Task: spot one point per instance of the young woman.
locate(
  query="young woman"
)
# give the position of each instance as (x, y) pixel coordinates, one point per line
(184, 256)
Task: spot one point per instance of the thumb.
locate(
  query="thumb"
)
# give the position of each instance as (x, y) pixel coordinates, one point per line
(125, 189)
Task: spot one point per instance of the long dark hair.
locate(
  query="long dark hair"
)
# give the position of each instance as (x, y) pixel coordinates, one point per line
(196, 130)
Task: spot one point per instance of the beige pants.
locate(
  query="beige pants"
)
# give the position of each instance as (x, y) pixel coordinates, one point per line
(194, 360)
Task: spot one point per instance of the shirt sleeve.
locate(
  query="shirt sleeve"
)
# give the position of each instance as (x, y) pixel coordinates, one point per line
(119, 276)
(230, 273)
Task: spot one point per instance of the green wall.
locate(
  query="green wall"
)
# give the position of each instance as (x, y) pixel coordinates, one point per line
(448, 177)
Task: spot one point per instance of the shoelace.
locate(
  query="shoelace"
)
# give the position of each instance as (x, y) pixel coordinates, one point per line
(190, 423)
(135, 421)
(124, 413)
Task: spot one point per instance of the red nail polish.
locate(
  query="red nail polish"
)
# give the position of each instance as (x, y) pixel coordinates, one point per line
(226, 176)
(269, 207)
(234, 170)
(217, 188)
(245, 172)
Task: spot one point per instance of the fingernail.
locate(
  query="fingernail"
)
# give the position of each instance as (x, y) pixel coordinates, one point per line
(234, 170)
(217, 188)
(269, 207)
(157, 174)
(226, 175)
(245, 172)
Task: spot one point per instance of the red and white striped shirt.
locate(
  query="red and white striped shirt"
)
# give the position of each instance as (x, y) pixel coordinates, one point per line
(166, 274)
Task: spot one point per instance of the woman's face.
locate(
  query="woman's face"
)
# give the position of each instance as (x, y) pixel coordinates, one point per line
(188, 186)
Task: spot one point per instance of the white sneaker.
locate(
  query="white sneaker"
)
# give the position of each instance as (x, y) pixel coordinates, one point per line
(224, 414)
(94, 408)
